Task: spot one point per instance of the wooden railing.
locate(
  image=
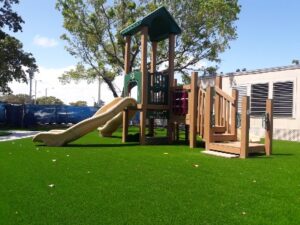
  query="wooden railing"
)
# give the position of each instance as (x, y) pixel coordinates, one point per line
(225, 110)
(200, 112)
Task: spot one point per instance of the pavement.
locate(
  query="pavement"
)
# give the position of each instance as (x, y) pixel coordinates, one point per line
(18, 134)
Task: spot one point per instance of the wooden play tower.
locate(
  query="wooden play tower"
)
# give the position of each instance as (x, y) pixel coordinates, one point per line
(209, 113)
(155, 87)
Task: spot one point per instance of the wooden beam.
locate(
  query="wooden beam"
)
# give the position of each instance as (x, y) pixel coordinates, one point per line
(171, 82)
(207, 117)
(218, 83)
(245, 127)
(127, 55)
(144, 39)
(125, 126)
(193, 110)
(234, 108)
(127, 69)
(269, 127)
(152, 70)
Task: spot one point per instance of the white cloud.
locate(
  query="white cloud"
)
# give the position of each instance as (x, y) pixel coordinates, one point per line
(47, 81)
(44, 41)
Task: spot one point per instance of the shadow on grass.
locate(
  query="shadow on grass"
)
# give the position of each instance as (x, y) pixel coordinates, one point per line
(100, 145)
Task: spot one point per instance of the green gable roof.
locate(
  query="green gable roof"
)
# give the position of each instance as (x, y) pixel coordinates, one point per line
(160, 24)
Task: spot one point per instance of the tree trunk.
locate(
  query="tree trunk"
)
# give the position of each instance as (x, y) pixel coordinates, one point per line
(110, 86)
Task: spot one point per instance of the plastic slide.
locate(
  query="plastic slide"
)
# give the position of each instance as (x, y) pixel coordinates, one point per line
(113, 124)
(62, 137)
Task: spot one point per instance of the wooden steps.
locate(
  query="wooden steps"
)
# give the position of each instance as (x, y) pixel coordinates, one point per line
(223, 137)
(219, 129)
(235, 147)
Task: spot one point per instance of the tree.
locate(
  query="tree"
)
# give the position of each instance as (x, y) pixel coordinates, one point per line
(49, 100)
(14, 61)
(93, 34)
(295, 61)
(78, 103)
(16, 99)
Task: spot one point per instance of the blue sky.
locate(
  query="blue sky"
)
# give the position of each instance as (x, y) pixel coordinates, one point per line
(268, 36)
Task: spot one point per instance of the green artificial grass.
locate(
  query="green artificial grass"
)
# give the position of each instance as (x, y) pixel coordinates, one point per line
(102, 181)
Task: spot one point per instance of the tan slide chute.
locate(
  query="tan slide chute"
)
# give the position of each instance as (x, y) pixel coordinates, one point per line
(100, 118)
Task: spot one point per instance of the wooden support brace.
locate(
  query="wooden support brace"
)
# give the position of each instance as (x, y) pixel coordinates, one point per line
(218, 84)
(245, 128)
(234, 108)
(208, 118)
(171, 82)
(125, 126)
(144, 38)
(127, 70)
(269, 127)
(193, 110)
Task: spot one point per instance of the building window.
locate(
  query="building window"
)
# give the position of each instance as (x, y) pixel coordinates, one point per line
(283, 98)
(259, 95)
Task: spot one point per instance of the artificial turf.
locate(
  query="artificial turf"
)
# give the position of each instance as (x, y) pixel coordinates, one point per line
(101, 181)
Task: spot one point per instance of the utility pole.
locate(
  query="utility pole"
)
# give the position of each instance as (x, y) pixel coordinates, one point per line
(35, 86)
(31, 73)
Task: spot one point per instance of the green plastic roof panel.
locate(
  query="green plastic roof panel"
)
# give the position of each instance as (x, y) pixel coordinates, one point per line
(160, 24)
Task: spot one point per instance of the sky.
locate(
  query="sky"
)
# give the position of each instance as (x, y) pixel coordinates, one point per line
(268, 36)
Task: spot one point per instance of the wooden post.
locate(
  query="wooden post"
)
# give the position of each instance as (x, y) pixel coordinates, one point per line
(207, 117)
(245, 128)
(152, 70)
(144, 37)
(217, 101)
(127, 70)
(269, 127)
(193, 110)
(234, 108)
(171, 81)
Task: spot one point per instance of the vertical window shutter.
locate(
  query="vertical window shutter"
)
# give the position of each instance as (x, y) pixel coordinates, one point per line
(259, 95)
(283, 98)
(242, 91)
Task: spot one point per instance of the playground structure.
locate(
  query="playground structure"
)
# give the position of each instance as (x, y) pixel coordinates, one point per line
(210, 113)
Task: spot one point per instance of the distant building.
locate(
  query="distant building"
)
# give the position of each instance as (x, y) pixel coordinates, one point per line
(282, 84)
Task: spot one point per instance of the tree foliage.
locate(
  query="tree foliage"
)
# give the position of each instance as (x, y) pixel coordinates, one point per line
(49, 100)
(93, 33)
(78, 103)
(16, 99)
(15, 62)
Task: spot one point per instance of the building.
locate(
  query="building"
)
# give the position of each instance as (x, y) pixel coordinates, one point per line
(282, 84)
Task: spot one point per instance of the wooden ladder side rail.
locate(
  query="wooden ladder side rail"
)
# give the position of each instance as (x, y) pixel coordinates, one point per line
(208, 134)
(192, 104)
(201, 112)
(269, 127)
(234, 108)
(218, 84)
(245, 128)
